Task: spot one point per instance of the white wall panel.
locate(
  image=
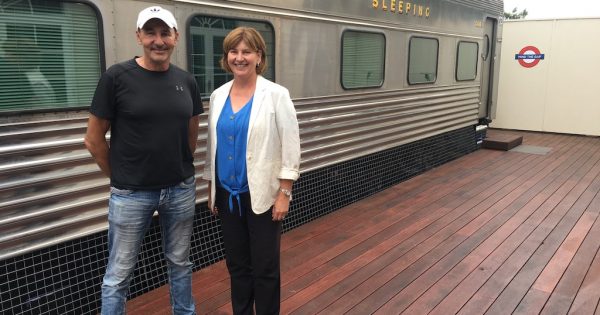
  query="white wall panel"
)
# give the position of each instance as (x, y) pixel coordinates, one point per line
(559, 94)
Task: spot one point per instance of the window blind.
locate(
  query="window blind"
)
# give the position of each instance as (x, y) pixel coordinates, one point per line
(49, 55)
(363, 59)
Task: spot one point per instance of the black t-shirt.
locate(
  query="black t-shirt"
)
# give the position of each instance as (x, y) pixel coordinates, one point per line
(149, 113)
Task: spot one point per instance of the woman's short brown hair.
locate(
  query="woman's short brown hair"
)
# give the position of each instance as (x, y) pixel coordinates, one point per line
(250, 37)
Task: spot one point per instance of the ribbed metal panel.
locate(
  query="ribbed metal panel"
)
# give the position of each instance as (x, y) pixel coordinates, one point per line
(496, 6)
(52, 191)
(341, 128)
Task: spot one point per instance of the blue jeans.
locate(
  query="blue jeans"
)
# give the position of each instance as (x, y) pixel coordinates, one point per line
(129, 216)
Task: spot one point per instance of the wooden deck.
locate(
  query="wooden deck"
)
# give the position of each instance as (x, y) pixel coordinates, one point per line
(493, 232)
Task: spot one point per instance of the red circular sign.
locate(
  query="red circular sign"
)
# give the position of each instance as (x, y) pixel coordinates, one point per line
(529, 50)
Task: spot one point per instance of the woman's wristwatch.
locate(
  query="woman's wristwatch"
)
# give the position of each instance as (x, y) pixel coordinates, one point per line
(287, 193)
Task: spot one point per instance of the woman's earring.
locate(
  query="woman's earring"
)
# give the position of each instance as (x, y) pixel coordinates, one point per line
(258, 64)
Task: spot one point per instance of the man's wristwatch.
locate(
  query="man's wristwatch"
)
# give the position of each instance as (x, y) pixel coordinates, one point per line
(287, 193)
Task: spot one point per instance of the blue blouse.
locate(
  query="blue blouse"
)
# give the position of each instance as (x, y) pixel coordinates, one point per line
(232, 133)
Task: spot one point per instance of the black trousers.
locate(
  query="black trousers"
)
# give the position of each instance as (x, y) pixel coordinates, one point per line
(252, 251)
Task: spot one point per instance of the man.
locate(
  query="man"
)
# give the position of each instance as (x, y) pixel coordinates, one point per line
(151, 107)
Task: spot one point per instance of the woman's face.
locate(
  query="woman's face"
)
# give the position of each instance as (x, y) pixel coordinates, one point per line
(242, 60)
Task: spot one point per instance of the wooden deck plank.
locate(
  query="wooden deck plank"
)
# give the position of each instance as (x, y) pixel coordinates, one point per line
(434, 293)
(521, 266)
(425, 228)
(395, 196)
(517, 191)
(524, 279)
(588, 295)
(333, 258)
(296, 279)
(563, 296)
(542, 288)
(483, 233)
(461, 293)
(491, 232)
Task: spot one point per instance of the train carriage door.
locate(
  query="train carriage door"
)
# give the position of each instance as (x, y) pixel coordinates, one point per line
(487, 73)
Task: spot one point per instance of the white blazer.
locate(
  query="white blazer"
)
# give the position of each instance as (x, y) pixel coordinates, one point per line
(273, 144)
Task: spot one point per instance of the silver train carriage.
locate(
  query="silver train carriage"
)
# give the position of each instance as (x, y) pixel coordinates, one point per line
(366, 77)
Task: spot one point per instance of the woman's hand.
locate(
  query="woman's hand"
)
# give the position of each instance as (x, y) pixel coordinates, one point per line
(211, 208)
(281, 207)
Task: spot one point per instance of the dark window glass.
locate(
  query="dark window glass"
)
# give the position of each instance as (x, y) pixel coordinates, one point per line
(422, 60)
(363, 59)
(466, 61)
(207, 34)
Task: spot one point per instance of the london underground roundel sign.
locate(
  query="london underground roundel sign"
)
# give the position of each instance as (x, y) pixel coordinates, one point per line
(529, 56)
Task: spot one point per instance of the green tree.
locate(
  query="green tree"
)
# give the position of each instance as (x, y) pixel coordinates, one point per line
(514, 15)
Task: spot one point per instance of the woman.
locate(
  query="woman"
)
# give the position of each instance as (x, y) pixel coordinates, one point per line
(253, 152)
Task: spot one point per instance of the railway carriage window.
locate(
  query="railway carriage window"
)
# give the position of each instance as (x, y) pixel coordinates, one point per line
(466, 61)
(363, 59)
(49, 54)
(207, 35)
(422, 60)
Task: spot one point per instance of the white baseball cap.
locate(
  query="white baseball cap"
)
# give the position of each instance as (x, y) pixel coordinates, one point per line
(156, 12)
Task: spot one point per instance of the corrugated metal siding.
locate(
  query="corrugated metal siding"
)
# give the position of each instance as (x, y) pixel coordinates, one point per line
(52, 191)
(345, 127)
(487, 5)
(50, 188)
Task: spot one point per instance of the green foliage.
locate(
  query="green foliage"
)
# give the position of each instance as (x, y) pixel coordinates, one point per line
(514, 15)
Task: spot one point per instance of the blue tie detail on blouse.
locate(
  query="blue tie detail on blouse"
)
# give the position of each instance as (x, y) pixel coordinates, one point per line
(232, 135)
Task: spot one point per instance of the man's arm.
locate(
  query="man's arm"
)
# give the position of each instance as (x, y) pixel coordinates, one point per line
(193, 133)
(95, 142)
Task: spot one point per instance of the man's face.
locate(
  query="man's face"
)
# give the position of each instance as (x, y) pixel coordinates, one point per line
(158, 41)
